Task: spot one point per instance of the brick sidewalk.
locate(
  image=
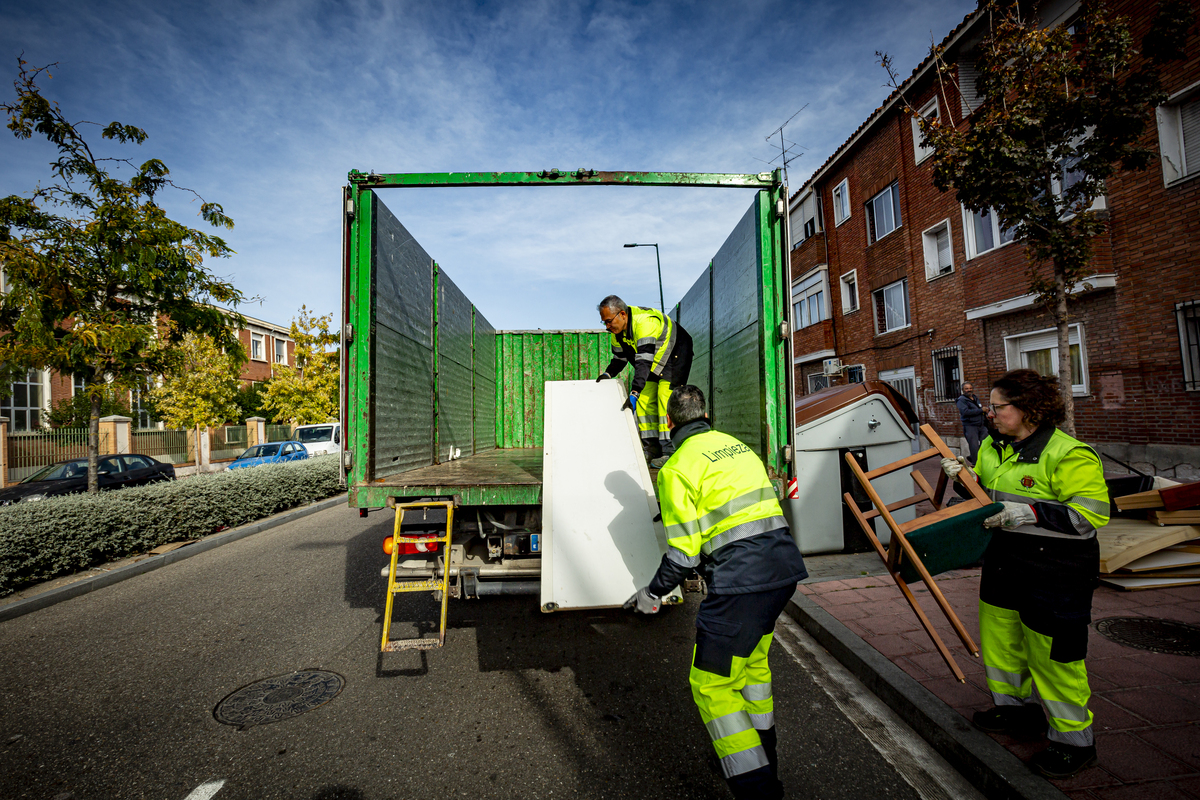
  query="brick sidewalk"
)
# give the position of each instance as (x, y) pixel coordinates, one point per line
(1147, 705)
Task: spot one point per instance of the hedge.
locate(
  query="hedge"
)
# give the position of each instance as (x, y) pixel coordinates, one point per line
(60, 535)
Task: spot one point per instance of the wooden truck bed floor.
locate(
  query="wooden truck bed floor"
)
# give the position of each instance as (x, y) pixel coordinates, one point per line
(493, 477)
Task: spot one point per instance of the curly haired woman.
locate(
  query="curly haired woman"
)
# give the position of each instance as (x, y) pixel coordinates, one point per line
(1035, 596)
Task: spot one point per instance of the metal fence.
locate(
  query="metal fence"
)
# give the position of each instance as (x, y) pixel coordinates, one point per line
(227, 442)
(30, 451)
(169, 446)
(279, 433)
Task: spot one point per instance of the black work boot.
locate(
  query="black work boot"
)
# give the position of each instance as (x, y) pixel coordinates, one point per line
(757, 784)
(1026, 719)
(1063, 760)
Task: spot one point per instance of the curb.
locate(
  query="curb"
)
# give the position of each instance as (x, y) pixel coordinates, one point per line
(58, 595)
(997, 773)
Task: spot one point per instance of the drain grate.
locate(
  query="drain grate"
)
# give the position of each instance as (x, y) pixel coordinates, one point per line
(1155, 635)
(280, 697)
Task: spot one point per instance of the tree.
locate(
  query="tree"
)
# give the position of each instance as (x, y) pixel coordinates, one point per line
(249, 400)
(76, 411)
(201, 387)
(94, 264)
(308, 391)
(1063, 109)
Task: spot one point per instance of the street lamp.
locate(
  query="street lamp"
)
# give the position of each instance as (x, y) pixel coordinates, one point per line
(661, 305)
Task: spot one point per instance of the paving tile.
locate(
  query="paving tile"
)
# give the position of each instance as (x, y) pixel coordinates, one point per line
(931, 662)
(853, 611)
(958, 695)
(1184, 668)
(875, 592)
(1131, 759)
(1155, 705)
(893, 644)
(804, 588)
(1111, 717)
(1128, 672)
(1188, 691)
(860, 582)
(825, 587)
(1099, 684)
(1189, 785)
(1153, 790)
(889, 623)
(1178, 613)
(1091, 778)
(857, 629)
(1100, 646)
(1180, 741)
(912, 669)
(1081, 794)
(845, 596)
(822, 601)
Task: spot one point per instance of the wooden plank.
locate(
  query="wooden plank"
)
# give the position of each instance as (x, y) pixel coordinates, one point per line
(1187, 517)
(1126, 540)
(1150, 499)
(1177, 498)
(907, 461)
(1163, 559)
(1137, 584)
(941, 514)
(521, 467)
(1172, 572)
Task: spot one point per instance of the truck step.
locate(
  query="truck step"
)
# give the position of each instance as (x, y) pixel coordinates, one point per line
(430, 584)
(397, 645)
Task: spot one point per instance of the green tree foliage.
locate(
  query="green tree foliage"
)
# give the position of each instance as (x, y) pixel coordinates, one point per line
(75, 411)
(94, 264)
(200, 387)
(307, 391)
(249, 400)
(1062, 111)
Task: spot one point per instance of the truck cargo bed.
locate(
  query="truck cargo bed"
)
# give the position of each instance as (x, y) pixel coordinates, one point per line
(493, 477)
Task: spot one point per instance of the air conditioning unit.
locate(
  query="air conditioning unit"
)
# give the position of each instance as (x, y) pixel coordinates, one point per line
(832, 366)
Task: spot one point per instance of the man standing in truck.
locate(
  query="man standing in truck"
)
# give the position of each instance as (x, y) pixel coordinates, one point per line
(722, 516)
(661, 353)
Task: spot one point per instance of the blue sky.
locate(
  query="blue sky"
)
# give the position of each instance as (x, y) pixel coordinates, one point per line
(265, 106)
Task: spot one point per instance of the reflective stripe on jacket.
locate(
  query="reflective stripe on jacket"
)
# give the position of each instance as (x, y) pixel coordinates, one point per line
(719, 507)
(646, 342)
(1061, 477)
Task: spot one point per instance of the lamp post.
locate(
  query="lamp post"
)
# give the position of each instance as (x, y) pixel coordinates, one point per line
(661, 305)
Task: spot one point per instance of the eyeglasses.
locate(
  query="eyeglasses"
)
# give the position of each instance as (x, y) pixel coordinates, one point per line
(610, 320)
(997, 406)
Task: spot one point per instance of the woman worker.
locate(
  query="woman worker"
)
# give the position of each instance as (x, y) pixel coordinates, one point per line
(1035, 596)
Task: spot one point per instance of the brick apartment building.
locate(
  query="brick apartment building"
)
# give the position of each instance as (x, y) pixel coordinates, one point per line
(29, 401)
(898, 282)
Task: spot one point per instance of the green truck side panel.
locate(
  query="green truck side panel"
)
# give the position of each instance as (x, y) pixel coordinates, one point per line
(763, 180)
(525, 360)
(375, 496)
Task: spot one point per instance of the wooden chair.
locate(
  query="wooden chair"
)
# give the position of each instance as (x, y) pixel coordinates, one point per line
(948, 538)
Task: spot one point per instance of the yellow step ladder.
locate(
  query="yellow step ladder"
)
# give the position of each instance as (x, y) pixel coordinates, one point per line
(431, 584)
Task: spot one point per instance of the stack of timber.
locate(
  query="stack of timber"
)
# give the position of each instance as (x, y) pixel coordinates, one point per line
(1159, 551)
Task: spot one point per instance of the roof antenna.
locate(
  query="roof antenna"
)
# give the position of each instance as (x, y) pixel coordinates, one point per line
(786, 155)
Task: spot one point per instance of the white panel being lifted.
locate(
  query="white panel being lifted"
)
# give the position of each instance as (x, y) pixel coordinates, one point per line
(599, 541)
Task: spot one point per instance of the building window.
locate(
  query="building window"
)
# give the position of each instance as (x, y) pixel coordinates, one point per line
(140, 407)
(983, 232)
(23, 406)
(256, 347)
(855, 374)
(808, 300)
(928, 111)
(947, 374)
(1179, 136)
(849, 284)
(78, 384)
(1187, 315)
(968, 79)
(939, 255)
(841, 202)
(883, 213)
(817, 381)
(805, 220)
(891, 307)
(280, 351)
(1039, 351)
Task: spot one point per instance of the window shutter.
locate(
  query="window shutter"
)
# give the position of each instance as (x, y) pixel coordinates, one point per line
(944, 260)
(967, 77)
(1189, 119)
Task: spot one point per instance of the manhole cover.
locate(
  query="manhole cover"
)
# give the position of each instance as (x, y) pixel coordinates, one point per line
(281, 697)
(1156, 635)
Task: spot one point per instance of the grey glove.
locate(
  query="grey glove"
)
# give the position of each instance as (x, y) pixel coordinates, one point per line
(952, 467)
(603, 376)
(1014, 515)
(643, 602)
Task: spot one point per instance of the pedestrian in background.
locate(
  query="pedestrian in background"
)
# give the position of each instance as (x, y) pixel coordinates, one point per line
(974, 420)
(722, 517)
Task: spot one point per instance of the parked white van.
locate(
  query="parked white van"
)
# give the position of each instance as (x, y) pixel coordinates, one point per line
(320, 439)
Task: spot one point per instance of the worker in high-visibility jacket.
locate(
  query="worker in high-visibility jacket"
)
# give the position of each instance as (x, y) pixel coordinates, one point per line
(721, 516)
(1039, 571)
(661, 353)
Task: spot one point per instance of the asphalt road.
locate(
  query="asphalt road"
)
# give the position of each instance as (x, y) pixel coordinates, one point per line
(111, 695)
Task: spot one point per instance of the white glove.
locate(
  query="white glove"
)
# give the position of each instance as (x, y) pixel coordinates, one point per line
(952, 467)
(1014, 515)
(643, 602)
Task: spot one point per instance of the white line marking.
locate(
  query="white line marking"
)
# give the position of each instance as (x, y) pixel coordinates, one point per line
(206, 790)
(919, 764)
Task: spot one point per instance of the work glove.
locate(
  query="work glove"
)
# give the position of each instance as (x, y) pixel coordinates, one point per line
(603, 376)
(643, 602)
(1013, 515)
(952, 467)
(631, 402)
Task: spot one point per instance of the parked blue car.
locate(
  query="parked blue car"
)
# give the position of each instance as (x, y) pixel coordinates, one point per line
(273, 453)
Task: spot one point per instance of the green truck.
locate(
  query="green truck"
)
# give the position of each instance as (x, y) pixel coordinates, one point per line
(437, 404)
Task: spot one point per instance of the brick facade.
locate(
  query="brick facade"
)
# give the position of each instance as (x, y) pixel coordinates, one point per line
(1135, 407)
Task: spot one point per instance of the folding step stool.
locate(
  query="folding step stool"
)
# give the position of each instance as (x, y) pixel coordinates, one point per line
(430, 584)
